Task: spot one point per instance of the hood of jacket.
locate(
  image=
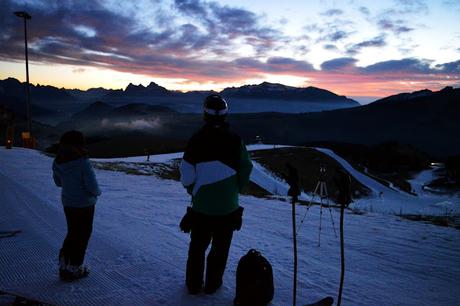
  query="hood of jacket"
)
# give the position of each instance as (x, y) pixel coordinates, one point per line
(68, 165)
(70, 153)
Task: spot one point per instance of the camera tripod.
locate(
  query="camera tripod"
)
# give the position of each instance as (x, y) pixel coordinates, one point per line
(321, 192)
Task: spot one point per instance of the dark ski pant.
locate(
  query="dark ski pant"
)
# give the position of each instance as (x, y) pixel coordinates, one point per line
(79, 228)
(203, 232)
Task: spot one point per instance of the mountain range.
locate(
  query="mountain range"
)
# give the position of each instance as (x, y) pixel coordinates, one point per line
(248, 98)
(425, 119)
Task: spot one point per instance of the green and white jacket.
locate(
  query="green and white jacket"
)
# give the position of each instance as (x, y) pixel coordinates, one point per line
(214, 169)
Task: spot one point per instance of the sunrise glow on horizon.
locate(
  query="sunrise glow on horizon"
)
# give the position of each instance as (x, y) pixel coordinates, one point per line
(353, 48)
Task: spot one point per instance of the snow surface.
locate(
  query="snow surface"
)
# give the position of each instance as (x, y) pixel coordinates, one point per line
(394, 201)
(137, 253)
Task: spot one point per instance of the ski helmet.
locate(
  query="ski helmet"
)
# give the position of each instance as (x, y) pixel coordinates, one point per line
(215, 106)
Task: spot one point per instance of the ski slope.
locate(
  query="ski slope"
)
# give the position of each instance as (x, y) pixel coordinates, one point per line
(137, 253)
(370, 183)
(163, 158)
(393, 201)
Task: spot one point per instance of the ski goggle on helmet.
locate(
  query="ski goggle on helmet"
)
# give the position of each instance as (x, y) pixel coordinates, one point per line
(215, 105)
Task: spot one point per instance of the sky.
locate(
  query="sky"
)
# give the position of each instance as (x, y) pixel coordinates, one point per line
(354, 48)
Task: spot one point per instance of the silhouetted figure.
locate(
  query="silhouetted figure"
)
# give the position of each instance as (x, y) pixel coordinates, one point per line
(214, 169)
(72, 171)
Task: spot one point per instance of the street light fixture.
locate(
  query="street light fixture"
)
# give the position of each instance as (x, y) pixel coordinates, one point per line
(26, 17)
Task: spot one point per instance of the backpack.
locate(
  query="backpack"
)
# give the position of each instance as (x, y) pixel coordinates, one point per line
(254, 280)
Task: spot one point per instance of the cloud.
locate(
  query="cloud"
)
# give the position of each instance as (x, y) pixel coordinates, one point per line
(338, 64)
(411, 7)
(386, 77)
(274, 65)
(224, 23)
(332, 12)
(135, 125)
(88, 33)
(364, 10)
(197, 41)
(330, 47)
(452, 67)
(395, 26)
(408, 65)
(378, 41)
(78, 70)
(335, 36)
(85, 31)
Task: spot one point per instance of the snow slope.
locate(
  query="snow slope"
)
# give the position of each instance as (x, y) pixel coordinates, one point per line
(162, 158)
(393, 201)
(137, 253)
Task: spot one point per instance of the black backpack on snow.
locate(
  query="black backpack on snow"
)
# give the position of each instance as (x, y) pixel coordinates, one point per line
(254, 280)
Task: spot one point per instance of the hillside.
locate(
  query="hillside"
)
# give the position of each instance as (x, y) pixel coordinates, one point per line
(428, 123)
(276, 91)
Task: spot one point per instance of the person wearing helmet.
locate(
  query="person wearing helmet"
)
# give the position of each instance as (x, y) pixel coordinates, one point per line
(214, 169)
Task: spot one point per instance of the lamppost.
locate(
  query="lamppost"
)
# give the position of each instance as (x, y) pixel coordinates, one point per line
(26, 17)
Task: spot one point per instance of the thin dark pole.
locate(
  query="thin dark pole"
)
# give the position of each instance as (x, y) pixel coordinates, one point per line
(29, 121)
(294, 235)
(342, 255)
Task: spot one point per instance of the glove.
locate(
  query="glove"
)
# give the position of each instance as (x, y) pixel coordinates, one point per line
(187, 221)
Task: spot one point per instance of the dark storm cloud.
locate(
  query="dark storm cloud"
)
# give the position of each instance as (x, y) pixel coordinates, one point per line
(378, 41)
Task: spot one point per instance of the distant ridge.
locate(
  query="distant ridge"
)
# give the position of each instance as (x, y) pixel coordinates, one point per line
(403, 97)
(271, 91)
(278, 91)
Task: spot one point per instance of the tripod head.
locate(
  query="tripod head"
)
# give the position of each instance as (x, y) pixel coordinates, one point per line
(322, 172)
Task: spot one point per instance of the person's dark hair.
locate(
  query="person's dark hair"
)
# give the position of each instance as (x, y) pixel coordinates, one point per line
(215, 109)
(71, 146)
(73, 138)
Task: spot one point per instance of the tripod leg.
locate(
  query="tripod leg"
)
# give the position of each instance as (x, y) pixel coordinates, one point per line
(314, 193)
